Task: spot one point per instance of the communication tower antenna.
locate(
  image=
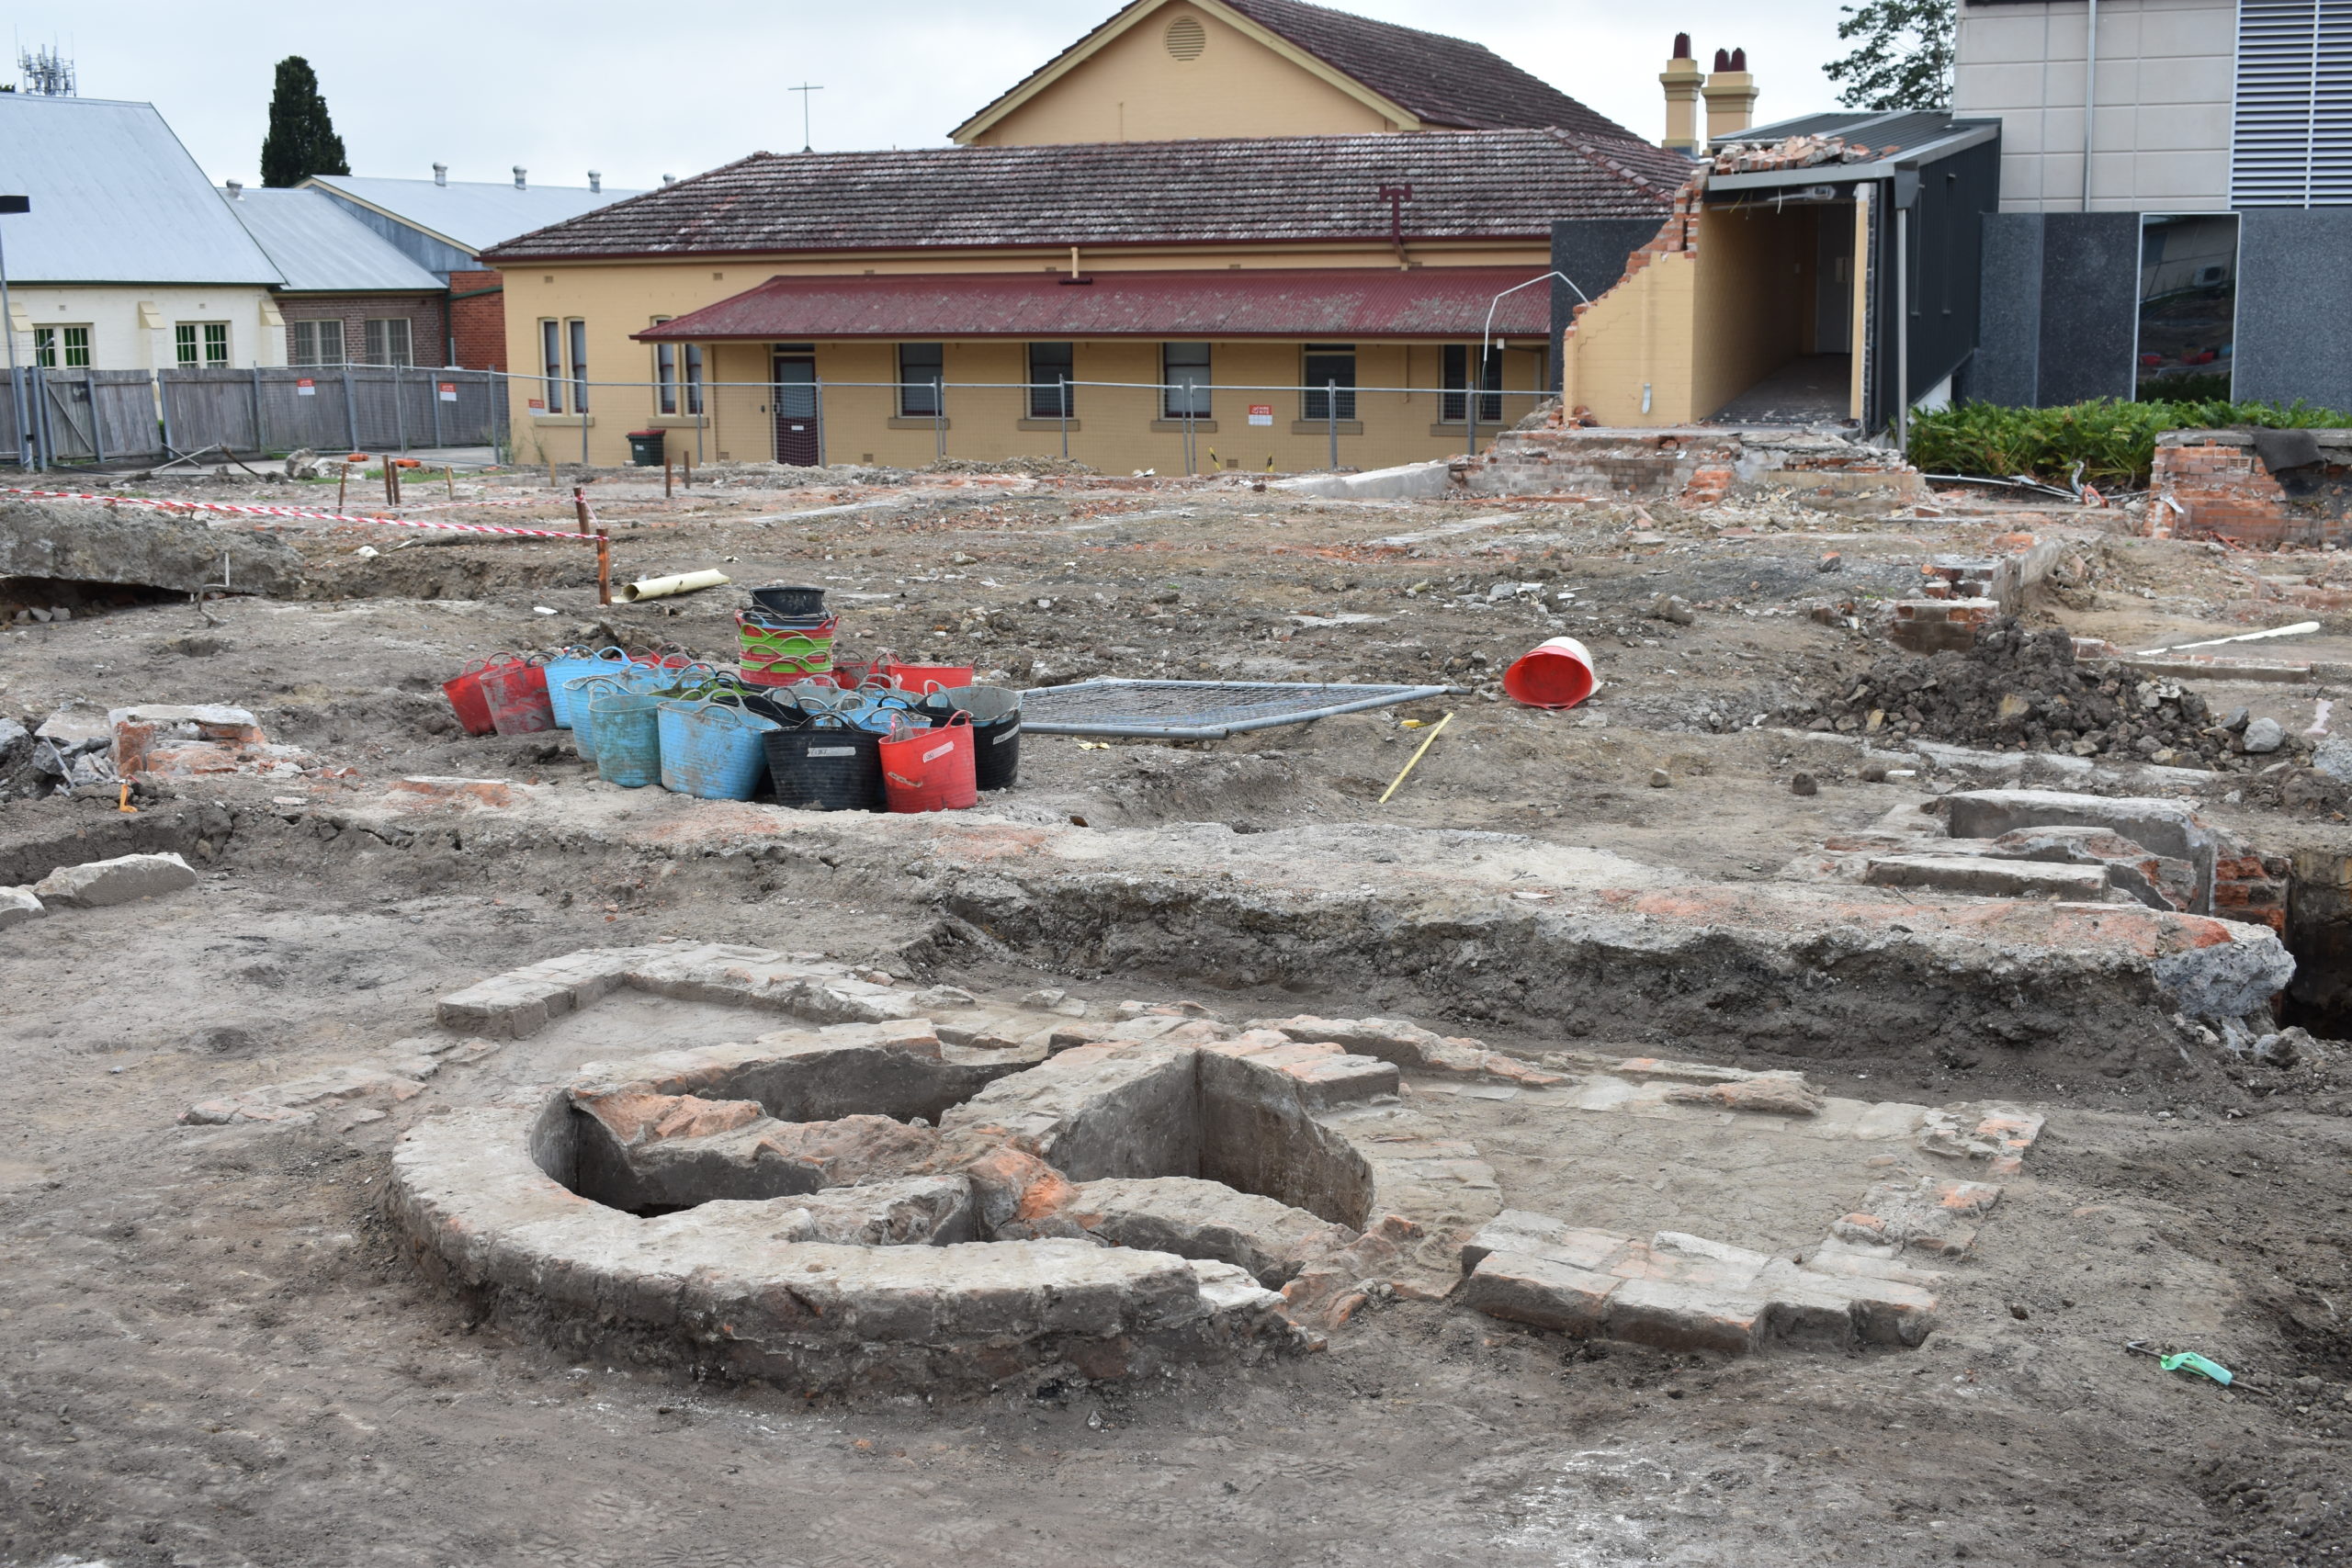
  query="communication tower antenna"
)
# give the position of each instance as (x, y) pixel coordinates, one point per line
(46, 72)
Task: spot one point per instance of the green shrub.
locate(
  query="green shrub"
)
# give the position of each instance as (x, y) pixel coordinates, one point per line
(2114, 442)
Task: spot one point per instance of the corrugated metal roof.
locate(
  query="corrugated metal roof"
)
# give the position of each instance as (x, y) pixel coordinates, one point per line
(1323, 302)
(473, 215)
(115, 198)
(316, 245)
(1465, 185)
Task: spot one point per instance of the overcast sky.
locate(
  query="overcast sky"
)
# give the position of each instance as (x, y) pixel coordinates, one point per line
(637, 90)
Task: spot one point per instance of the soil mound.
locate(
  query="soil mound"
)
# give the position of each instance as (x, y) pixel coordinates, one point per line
(2024, 690)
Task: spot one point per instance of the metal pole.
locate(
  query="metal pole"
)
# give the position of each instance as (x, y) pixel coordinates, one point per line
(399, 414)
(818, 385)
(164, 409)
(579, 407)
(98, 417)
(2090, 93)
(260, 438)
(434, 385)
(44, 431)
(1902, 330)
(705, 412)
(16, 394)
(1064, 408)
(1332, 412)
(939, 417)
(1470, 399)
(350, 409)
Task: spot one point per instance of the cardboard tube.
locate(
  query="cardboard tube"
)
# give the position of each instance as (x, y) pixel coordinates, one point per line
(663, 587)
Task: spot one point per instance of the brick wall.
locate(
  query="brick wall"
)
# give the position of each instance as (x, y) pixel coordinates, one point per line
(2211, 485)
(426, 314)
(478, 320)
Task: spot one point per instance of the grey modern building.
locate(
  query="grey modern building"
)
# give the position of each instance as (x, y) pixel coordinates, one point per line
(2176, 207)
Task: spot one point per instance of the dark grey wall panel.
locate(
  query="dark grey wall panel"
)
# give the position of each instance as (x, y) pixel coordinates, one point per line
(1593, 252)
(2090, 305)
(2294, 337)
(2008, 351)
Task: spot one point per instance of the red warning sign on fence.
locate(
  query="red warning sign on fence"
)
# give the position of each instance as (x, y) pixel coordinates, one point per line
(538, 403)
(449, 391)
(306, 388)
(1261, 413)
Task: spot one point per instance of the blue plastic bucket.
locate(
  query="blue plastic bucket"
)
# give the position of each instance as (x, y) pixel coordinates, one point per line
(712, 751)
(583, 689)
(570, 666)
(628, 738)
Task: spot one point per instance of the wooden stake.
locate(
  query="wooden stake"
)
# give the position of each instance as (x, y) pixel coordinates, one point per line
(342, 475)
(1417, 757)
(603, 569)
(551, 484)
(666, 466)
(690, 470)
(451, 474)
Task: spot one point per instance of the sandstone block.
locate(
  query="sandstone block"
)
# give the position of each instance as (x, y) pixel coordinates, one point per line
(1540, 1235)
(1522, 1287)
(121, 880)
(1675, 1315)
(1206, 1219)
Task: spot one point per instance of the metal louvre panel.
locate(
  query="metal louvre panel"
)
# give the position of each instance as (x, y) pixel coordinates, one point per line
(2292, 145)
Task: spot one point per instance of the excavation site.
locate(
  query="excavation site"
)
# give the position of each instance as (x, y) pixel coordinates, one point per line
(1664, 997)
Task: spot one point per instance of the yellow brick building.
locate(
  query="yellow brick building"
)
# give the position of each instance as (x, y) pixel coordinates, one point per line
(1231, 230)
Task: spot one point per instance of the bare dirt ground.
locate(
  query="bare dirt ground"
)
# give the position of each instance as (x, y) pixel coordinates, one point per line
(210, 1354)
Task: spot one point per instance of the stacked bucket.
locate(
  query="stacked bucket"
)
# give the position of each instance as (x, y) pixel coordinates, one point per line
(786, 636)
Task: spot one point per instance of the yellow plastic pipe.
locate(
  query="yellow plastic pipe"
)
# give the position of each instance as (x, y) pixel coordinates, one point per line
(663, 587)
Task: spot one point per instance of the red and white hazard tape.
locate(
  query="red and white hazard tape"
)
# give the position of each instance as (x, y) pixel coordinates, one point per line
(234, 510)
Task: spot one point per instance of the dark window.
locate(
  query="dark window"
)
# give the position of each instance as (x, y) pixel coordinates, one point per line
(1050, 377)
(314, 342)
(1330, 382)
(386, 341)
(551, 348)
(665, 373)
(694, 378)
(923, 368)
(1185, 371)
(579, 366)
(1458, 358)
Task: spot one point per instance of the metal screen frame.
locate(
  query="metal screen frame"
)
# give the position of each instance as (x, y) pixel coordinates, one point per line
(1364, 698)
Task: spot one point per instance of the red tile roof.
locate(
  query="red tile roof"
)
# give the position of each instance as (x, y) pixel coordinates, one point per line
(1329, 303)
(1445, 81)
(1466, 185)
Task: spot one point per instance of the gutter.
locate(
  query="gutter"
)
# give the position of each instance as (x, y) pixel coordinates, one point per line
(478, 293)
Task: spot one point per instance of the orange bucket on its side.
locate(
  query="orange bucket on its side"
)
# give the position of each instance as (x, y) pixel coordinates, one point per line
(1557, 675)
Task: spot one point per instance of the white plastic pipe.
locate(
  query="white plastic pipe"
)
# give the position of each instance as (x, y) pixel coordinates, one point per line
(663, 587)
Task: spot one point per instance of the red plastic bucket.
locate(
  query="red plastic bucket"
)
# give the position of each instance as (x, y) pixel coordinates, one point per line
(1557, 675)
(517, 696)
(932, 770)
(466, 699)
(922, 678)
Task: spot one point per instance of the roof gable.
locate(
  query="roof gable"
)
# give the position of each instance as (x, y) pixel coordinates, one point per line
(115, 198)
(1411, 79)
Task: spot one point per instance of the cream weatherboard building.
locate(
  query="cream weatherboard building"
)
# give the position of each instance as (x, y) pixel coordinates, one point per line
(129, 259)
(1229, 232)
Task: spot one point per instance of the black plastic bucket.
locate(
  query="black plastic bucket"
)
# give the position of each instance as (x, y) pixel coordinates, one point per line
(826, 765)
(996, 730)
(791, 601)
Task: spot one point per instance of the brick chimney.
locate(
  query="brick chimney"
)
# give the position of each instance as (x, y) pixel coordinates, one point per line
(1681, 81)
(1731, 96)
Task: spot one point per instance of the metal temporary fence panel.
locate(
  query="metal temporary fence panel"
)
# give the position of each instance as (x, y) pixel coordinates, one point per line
(1199, 710)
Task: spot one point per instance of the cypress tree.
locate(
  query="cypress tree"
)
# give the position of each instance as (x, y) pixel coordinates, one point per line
(301, 140)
